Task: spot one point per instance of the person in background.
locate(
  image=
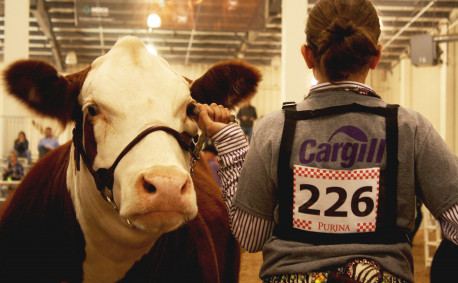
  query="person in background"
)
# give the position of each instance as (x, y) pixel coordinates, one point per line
(48, 143)
(14, 170)
(21, 146)
(211, 155)
(246, 116)
(327, 188)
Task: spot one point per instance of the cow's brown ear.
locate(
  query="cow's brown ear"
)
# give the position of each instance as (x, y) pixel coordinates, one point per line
(38, 85)
(227, 83)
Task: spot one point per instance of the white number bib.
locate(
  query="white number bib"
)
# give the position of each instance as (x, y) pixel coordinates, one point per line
(335, 201)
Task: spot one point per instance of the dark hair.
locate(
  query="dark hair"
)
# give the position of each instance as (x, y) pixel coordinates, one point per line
(343, 36)
(22, 132)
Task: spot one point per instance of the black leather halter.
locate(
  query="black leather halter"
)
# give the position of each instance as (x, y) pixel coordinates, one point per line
(104, 178)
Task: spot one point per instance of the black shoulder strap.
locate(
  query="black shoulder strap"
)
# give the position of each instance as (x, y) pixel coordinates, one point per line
(284, 171)
(391, 182)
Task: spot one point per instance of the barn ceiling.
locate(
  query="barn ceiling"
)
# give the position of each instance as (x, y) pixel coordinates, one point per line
(201, 31)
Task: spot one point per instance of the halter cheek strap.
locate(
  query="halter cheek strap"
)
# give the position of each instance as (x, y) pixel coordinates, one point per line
(104, 178)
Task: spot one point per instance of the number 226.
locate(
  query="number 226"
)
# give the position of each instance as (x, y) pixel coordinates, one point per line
(356, 199)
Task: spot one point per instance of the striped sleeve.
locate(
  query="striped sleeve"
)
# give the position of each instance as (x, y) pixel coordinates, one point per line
(250, 231)
(449, 224)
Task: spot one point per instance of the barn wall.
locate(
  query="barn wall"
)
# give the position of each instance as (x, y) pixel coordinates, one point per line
(430, 90)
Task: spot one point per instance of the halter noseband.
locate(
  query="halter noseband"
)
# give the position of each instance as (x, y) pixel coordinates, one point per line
(104, 178)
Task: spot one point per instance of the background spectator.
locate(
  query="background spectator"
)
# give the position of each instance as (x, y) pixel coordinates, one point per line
(48, 143)
(21, 146)
(14, 170)
(246, 116)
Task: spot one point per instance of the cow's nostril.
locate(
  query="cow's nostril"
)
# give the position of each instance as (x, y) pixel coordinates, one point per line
(149, 187)
(185, 187)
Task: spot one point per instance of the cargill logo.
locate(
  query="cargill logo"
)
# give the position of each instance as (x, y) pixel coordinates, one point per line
(361, 150)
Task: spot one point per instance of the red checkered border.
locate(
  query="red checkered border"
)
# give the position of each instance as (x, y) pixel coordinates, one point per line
(365, 227)
(302, 224)
(358, 174)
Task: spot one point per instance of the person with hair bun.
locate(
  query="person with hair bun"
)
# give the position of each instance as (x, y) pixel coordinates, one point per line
(328, 187)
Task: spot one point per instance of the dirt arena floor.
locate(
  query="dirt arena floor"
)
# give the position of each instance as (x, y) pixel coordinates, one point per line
(251, 263)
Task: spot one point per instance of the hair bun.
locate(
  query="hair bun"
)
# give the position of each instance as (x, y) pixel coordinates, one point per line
(339, 29)
(343, 36)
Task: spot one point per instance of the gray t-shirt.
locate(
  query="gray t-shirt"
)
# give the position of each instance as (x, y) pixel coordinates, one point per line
(428, 169)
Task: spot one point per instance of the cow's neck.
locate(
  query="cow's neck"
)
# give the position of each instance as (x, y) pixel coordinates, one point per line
(112, 247)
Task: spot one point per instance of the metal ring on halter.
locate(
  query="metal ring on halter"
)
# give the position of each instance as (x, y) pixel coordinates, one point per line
(110, 200)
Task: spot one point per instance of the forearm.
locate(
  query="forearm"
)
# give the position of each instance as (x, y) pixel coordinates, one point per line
(232, 149)
(250, 231)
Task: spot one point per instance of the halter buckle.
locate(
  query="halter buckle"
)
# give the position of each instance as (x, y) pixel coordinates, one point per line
(107, 195)
(196, 148)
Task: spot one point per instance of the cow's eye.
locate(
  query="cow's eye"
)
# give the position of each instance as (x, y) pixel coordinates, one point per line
(192, 111)
(93, 110)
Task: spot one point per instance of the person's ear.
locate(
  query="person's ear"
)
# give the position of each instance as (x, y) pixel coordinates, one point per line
(376, 59)
(308, 56)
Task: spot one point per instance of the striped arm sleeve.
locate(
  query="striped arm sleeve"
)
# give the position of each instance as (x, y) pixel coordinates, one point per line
(449, 224)
(250, 231)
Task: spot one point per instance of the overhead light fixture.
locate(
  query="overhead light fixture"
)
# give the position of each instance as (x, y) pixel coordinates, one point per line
(182, 19)
(70, 58)
(151, 49)
(153, 21)
(232, 5)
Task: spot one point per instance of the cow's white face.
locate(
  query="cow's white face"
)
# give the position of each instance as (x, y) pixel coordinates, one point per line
(127, 91)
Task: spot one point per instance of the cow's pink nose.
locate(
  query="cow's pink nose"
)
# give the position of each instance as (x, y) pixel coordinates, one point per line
(166, 181)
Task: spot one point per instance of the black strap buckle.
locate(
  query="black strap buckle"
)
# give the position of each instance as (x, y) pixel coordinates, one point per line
(288, 105)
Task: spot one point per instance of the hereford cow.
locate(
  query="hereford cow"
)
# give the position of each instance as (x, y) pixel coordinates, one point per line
(118, 202)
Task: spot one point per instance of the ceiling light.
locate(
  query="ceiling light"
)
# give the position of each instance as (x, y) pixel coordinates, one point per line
(154, 21)
(182, 19)
(232, 5)
(151, 49)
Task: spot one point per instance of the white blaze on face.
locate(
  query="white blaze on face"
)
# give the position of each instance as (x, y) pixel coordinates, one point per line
(134, 90)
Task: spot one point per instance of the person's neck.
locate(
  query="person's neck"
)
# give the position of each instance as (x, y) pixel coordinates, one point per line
(357, 77)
